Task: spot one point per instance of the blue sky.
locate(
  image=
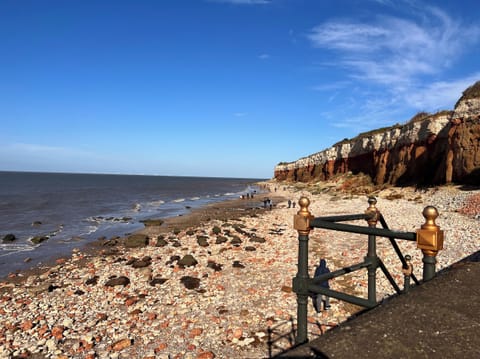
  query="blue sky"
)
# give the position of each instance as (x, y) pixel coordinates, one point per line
(224, 88)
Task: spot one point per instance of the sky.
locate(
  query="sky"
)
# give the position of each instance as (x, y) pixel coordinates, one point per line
(220, 88)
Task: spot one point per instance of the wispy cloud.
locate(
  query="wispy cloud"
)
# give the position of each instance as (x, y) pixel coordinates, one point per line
(264, 56)
(393, 49)
(403, 59)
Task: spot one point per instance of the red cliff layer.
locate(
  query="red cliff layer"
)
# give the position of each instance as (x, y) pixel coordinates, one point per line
(432, 149)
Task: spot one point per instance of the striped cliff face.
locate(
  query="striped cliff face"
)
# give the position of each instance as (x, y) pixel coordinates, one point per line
(439, 148)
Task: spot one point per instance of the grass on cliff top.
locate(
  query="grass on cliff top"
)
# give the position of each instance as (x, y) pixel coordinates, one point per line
(471, 92)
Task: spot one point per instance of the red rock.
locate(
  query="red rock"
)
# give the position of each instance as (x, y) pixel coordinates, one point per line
(131, 301)
(160, 347)
(191, 347)
(26, 325)
(205, 355)
(57, 332)
(151, 316)
(237, 333)
(122, 344)
(195, 332)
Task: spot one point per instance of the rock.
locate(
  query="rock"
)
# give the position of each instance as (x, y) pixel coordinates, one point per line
(161, 242)
(136, 240)
(39, 239)
(187, 261)
(122, 344)
(236, 241)
(237, 264)
(141, 263)
(172, 259)
(202, 241)
(221, 239)
(215, 266)
(250, 249)
(257, 239)
(36, 223)
(216, 230)
(190, 282)
(122, 280)
(9, 238)
(92, 281)
(152, 222)
(157, 280)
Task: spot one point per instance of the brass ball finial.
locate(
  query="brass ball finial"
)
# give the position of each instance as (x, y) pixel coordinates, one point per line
(304, 202)
(430, 213)
(372, 201)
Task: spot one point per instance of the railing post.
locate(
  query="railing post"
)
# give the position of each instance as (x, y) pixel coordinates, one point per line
(301, 222)
(430, 241)
(372, 251)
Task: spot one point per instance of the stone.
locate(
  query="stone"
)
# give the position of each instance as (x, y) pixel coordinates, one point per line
(122, 280)
(215, 266)
(157, 280)
(190, 282)
(122, 344)
(136, 240)
(202, 241)
(161, 242)
(237, 264)
(152, 222)
(221, 239)
(9, 238)
(187, 261)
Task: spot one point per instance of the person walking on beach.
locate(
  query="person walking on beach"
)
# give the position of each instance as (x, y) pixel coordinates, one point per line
(289, 203)
(318, 299)
(270, 203)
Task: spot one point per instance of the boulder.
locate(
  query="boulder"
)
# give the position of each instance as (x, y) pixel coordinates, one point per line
(136, 240)
(187, 261)
(122, 280)
(152, 222)
(190, 282)
(39, 239)
(9, 238)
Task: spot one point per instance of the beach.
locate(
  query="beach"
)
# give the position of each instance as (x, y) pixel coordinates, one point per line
(216, 283)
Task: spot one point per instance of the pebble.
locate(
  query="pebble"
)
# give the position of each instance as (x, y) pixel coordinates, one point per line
(223, 305)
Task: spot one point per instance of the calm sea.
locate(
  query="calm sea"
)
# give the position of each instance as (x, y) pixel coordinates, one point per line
(74, 209)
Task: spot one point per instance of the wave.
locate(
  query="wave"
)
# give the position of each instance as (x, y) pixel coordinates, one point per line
(156, 203)
(137, 207)
(178, 200)
(194, 198)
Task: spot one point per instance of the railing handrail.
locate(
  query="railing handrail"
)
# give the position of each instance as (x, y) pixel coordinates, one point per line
(429, 239)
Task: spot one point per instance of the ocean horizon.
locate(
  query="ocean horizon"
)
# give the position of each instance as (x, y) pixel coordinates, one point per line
(74, 209)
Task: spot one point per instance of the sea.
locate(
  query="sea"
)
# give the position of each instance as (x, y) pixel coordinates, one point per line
(72, 210)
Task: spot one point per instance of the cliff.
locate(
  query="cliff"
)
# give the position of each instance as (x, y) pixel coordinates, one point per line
(429, 149)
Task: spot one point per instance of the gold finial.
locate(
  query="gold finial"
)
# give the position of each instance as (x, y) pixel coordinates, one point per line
(372, 211)
(303, 202)
(429, 236)
(430, 213)
(301, 221)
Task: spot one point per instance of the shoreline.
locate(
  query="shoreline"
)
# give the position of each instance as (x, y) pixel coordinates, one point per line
(222, 210)
(223, 305)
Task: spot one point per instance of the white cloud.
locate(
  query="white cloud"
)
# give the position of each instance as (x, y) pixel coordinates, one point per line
(397, 65)
(264, 56)
(393, 49)
(433, 96)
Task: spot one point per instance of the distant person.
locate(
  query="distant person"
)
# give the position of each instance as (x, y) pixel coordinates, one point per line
(265, 202)
(289, 203)
(293, 204)
(319, 299)
(270, 203)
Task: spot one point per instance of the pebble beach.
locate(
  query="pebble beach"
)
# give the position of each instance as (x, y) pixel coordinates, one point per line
(218, 286)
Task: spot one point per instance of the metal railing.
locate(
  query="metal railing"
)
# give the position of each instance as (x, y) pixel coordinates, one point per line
(429, 239)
